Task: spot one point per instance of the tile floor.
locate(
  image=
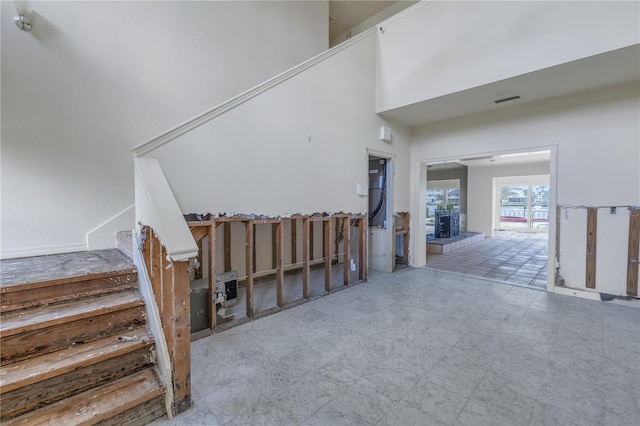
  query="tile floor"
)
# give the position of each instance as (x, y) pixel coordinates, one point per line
(516, 257)
(424, 347)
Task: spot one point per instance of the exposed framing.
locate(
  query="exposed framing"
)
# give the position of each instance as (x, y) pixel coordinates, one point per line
(592, 242)
(591, 251)
(633, 256)
(331, 225)
(170, 283)
(403, 218)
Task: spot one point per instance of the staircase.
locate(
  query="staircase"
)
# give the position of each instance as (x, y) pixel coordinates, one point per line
(75, 347)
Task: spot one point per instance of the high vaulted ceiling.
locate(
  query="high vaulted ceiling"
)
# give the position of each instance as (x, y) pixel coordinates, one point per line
(346, 14)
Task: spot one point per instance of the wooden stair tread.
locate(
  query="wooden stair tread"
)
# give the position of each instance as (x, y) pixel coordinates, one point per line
(53, 364)
(16, 322)
(97, 404)
(54, 269)
(11, 287)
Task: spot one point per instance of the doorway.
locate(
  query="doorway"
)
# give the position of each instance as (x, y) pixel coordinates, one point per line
(519, 245)
(380, 212)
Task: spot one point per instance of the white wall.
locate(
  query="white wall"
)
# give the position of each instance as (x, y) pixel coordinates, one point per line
(445, 47)
(480, 202)
(300, 147)
(93, 79)
(597, 135)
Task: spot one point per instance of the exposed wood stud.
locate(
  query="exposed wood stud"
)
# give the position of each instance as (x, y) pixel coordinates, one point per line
(326, 245)
(254, 262)
(405, 251)
(633, 253)
(279, 245)
(181, 330)
(198, 269)
(362, 249)
(336, 239)
(274, 245)
(402, 231)
(305, 258)
(156, 270)
(250, 256)
(167, 296)
(211, 308)
(227, 246)
(346, 237)
(592, 232)
(311, 244)
(294, 241)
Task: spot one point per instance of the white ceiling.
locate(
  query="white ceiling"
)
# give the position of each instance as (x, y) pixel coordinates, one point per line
(618, 66)
(346, 14)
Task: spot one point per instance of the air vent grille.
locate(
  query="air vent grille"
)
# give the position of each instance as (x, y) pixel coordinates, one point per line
(511, 98)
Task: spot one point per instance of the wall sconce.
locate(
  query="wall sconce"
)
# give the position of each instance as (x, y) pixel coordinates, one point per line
(22, 20)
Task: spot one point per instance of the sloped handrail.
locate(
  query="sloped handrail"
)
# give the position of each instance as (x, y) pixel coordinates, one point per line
(200, 119)
(157, 207)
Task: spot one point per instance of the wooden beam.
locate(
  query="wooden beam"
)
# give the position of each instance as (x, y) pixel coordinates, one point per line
(305, 258)
(336, 239)
(199, 232)
(634, 252)
(250, 256)
(346, 237)
(227, 246)
(181, 330)
(167, 297)
(198, 269)
(294, 241)
(156, 271)
(279, 250)
(311, 226)
(274, 245)
(254, 262)
(211, 308)
(150, 259)
(362, 249)
(194, 223)
(326, 245)
(592, 234)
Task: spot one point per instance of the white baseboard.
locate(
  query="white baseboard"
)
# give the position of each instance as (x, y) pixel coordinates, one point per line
(566, 291)
(14, 253)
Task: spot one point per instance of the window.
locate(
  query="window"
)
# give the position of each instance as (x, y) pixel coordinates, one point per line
(522, 203)
(441, 193)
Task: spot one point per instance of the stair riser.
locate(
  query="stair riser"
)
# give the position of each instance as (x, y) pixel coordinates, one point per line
(103, 403)
(59, 337)
(27, 398)
(139, 415)
(25, 297)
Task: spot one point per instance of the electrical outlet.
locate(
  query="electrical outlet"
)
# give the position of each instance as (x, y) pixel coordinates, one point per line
(612, 210)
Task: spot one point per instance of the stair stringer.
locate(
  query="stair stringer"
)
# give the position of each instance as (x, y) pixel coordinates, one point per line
(154, 323)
